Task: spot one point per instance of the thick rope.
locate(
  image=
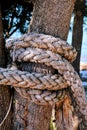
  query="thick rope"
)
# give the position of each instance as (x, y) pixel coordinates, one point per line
(43, 97)
(42, 41)
(31, 80)
(51, 51)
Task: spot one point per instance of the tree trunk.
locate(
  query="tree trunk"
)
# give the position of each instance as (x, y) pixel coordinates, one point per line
(4, 90)
(64, 115)
(52, 17)
(78, 31)
(49, 17)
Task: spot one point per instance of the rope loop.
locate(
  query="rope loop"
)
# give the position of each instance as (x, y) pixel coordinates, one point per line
(45, 88)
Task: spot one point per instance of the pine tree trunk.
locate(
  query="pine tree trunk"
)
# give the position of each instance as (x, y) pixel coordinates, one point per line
(4, 90)
(49, 17)
(52, 17)
(78, 31)
(64, 120)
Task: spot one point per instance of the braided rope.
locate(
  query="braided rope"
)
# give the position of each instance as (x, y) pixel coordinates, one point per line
(43, 97)
(31, 80)
(63, 66)
(40, 88)
(42, 41)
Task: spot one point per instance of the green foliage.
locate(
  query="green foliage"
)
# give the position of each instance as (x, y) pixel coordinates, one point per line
(16, 15)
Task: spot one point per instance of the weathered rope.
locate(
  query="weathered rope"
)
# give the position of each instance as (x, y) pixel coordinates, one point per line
(47, 42)
(31, 80)
(40, 88)
(42, 97)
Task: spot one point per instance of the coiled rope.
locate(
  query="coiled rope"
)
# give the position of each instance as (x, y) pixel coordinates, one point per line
(41, 88)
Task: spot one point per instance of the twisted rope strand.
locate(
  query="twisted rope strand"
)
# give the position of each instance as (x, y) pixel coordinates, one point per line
(25, 79)
(43, 97)
(64, 68)
(42, 41)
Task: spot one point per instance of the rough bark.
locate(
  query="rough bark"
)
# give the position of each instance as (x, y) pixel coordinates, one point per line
(30, 1)
(52, 17)
(2, 43)
(4, 91)
(78, 31)
(49, 17)
(64, 115)
(30, 116)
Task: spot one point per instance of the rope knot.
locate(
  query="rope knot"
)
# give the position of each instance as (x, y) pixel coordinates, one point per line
(39, 87)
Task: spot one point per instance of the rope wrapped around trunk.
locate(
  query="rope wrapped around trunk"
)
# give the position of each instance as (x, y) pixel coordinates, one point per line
(42, 88)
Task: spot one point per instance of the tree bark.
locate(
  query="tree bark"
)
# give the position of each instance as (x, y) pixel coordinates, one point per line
(49, 17)
(64, 115)
(52, 17)
(78, 31)
(4, 90)
(30, 116)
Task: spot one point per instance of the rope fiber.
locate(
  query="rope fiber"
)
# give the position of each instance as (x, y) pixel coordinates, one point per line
(45, 88)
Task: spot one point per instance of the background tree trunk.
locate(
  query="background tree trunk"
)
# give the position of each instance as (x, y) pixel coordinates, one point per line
(78, 31)
(4, 90)
(49, 17)
(52, 17)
